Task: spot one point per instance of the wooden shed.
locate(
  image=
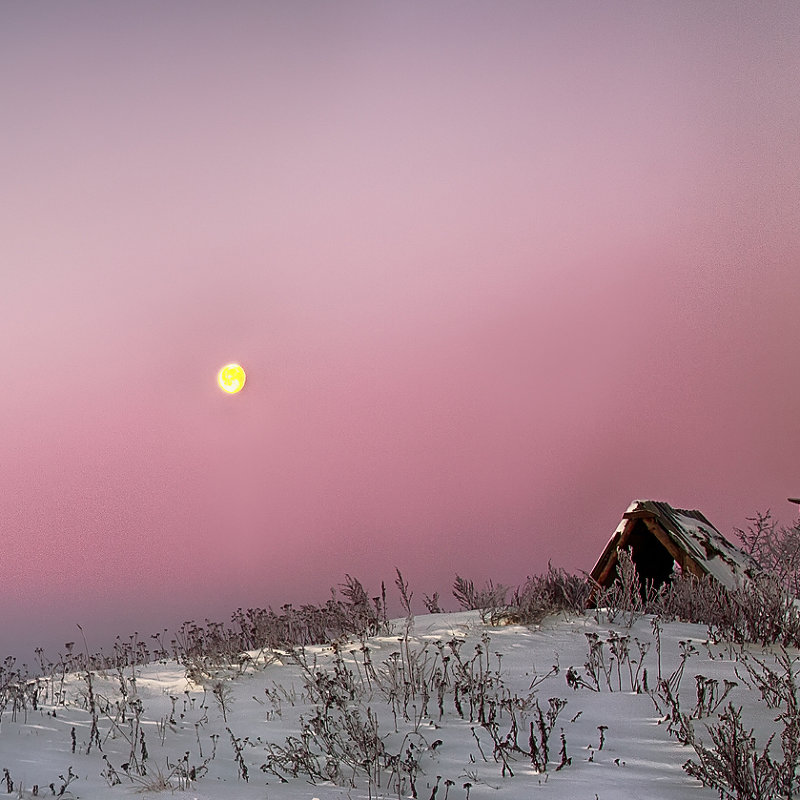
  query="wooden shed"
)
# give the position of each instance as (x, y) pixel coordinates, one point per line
(660, 536)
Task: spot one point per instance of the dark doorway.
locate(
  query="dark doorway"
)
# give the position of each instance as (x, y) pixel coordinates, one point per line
(652, 560)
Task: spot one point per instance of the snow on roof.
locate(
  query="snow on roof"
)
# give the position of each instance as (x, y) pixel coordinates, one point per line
(696, 536)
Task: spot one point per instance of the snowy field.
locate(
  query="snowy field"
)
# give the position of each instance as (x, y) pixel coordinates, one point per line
(445, 708)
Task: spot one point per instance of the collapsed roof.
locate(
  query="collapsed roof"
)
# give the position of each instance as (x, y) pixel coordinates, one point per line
(660, 536)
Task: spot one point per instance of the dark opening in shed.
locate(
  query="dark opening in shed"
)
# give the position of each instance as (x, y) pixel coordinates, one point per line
(653, 562)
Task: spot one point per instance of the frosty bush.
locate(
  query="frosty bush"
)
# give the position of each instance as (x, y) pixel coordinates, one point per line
(471, 599)
(775, 547)
(761, 610)
(541, 595)
(732, 761)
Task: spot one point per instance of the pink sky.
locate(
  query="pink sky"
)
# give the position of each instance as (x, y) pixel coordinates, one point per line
(494, 270)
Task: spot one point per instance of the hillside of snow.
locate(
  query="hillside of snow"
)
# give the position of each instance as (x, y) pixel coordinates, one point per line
(444, 708)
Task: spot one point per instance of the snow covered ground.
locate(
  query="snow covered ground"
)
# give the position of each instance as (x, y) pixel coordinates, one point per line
(440, 702)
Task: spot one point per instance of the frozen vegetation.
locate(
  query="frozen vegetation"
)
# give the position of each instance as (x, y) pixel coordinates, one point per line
(535, 696)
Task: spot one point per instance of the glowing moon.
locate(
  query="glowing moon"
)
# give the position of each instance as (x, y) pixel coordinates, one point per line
(231, 378)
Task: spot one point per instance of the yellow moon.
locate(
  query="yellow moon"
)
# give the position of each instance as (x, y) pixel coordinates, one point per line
(231, 378)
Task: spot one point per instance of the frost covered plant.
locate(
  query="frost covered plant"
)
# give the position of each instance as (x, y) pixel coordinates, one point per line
(179, 775)
(736, 767)
(621, 667)
(487, 599)
(709, 695)
(626, 597)
(761, 610)
(223, 694)
(536, 746)
(238, 746)
(778, 688)
(541, 595)
(775, 547)
(732, 761)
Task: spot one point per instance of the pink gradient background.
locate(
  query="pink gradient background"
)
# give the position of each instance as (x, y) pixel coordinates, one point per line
(494, 269)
